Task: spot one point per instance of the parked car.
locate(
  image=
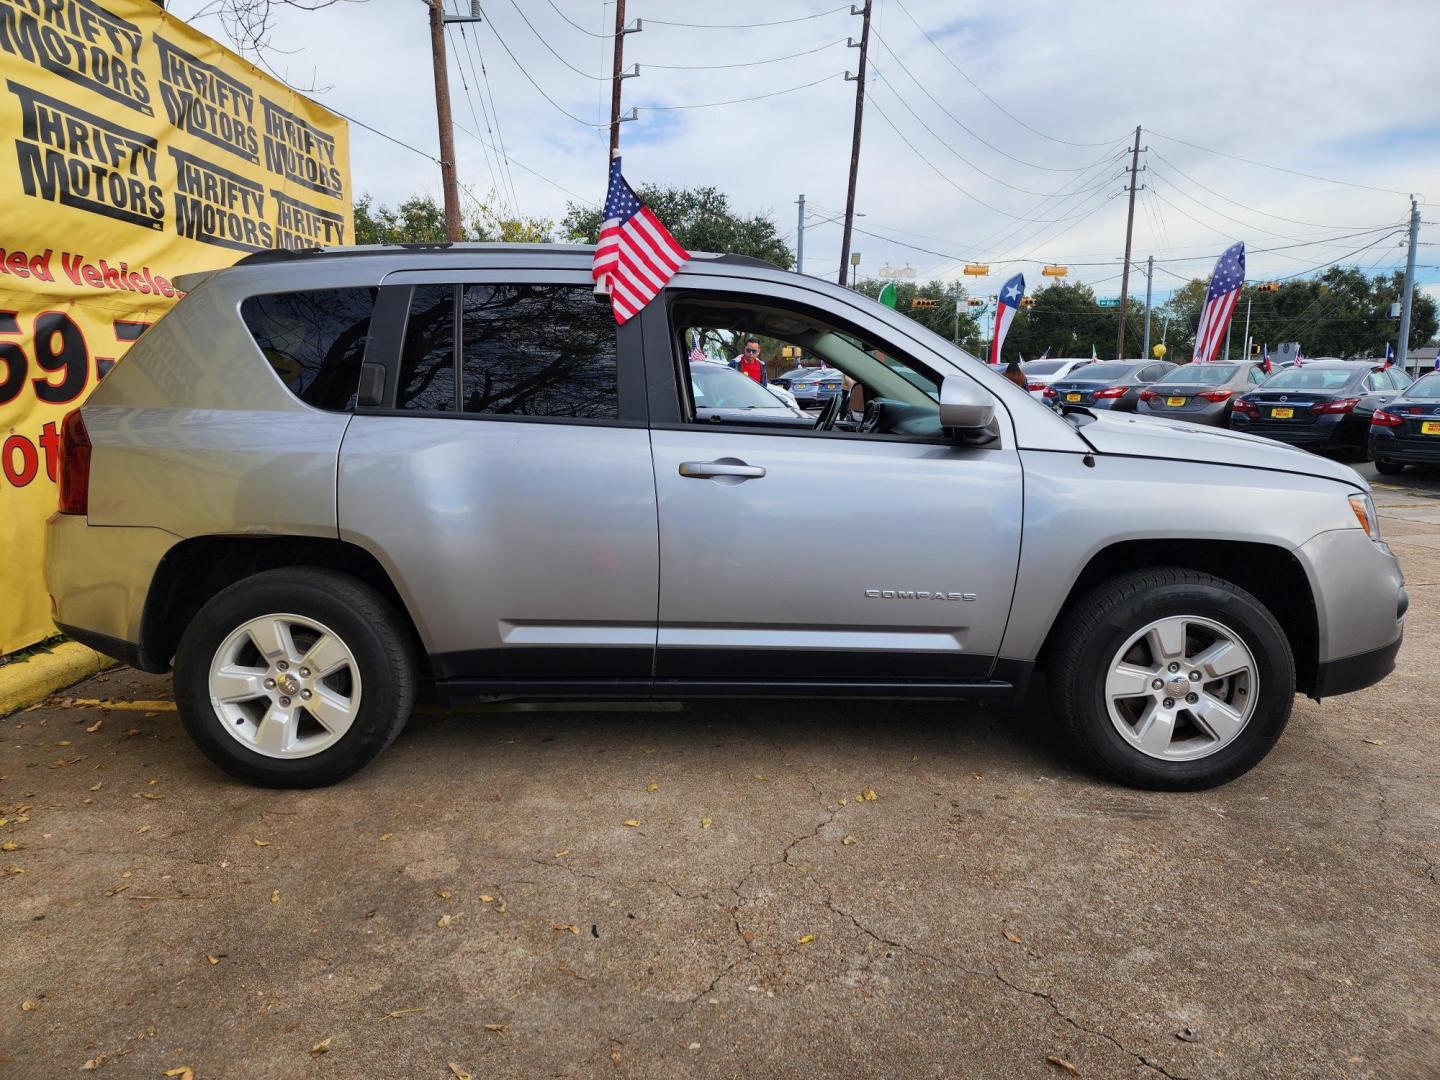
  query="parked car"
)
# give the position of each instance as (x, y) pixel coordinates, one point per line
(326, 476)
(1406, 431)
(1107, 384)
(1319, 405)
(720, 394)
(1200, 393)
(817, 388)
(1041, 373)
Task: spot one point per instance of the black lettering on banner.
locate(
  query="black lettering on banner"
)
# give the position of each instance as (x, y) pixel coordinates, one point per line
(81, 41)
(75, 158)
(206, 102)
(300, 225)
(216, 206)
(300, 152)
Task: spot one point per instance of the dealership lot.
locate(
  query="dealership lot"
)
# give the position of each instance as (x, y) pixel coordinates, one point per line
(731, 889)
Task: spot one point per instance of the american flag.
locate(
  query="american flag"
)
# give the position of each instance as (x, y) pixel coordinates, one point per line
(696, 354)
(636, 255)
(1220, 301)
(1006, 305)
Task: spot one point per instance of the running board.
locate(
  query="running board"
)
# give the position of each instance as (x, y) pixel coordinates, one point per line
(455, 691)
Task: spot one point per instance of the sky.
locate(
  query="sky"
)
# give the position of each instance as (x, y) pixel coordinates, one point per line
(993, 133)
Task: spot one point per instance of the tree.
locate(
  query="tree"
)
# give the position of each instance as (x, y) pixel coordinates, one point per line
(941, 317)
(699, 218)
(1067, 320)
(420, 220)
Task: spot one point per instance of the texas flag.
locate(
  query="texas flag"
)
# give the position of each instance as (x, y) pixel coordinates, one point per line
(1389, 355)
(1007, 304)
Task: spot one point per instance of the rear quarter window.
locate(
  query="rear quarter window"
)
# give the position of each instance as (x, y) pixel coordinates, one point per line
(314, 340)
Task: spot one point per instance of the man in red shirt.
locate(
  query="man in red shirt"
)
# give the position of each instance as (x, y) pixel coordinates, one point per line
(750, 363)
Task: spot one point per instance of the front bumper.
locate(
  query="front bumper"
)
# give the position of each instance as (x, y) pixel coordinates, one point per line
(1360, 605)
(1356, 672)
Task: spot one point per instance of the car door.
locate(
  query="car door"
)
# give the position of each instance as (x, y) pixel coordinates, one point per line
(813, 560)
(1376, 391)
(504, 480)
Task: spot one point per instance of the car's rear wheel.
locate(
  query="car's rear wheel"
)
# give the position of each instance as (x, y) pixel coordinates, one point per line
(1388, 468)
(295, 677)
(1171, 679)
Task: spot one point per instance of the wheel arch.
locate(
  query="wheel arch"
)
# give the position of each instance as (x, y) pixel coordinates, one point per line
(1270, 573)
(195, 570)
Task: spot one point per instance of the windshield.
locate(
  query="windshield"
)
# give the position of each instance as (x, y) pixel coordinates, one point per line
(1042, 367)
(718, 387)
(1104, 372)
(1426, 388)
(1199, 375)
(1309, 378)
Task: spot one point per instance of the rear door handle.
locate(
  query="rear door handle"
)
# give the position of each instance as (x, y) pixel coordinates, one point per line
(721, 467)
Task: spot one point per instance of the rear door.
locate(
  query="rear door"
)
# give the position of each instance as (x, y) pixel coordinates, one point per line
(505, 480)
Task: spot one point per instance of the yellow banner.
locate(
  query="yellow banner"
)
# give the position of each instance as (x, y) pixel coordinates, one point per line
(132, 149)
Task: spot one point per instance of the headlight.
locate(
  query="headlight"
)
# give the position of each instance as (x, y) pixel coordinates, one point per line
(1365, 514)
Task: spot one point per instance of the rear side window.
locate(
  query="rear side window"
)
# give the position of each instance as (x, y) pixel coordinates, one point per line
(314, 340)
(427, 361)
(537, 350)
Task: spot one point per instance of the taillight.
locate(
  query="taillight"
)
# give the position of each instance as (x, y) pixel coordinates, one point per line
(1112, 392)
(1217, 395)
(1032, 387)
(74, 476)
(1339, 405)
(1051, 392)
(1149, 395)
(1385, 419)
(1246, 408)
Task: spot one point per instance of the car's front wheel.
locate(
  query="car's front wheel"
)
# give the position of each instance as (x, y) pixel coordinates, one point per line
(1171, 679)
(295, 677)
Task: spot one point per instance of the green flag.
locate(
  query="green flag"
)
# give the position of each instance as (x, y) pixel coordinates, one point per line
(887, 294)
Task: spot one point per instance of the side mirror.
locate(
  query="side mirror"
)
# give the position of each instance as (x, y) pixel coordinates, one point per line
(964, 406)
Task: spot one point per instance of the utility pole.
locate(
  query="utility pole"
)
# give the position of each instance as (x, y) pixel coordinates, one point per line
(1149, 275)
(800, 235)
(957, 313)
(1129, 231)
(618, 74)
(864, 47)
(1402, 348)
(1248, 300)
(448, 183)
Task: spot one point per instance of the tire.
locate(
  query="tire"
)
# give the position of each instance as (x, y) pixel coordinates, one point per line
(1089, 652)
(1388, 468)
(365, 698)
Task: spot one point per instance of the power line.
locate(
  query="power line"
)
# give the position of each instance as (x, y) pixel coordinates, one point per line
(1277, 168)
(584, 74)
(991, 100)
(539, 89)
(969, 131)
(737, 101)
(746, 26)
(493, 111)
(745, 63)
(490, 162)
(526, 168)
(576, 25)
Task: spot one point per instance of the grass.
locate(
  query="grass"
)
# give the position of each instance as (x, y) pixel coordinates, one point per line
(48, 645)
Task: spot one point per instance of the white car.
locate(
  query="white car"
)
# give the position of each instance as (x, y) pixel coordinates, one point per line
(1041, 373)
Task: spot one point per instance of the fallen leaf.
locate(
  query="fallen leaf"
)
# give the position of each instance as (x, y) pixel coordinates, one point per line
(9, 845)
(1061, 1063)
(805, 939)
(499, 1029)
(847, 840)
(869, 795)
(152, 783)
(63, 742)
(705, 823)
(386, 836)
(444, 894)
(1014, 939)
(844, 802)
(568, 926)
(94, 1063)
(322, 1046)
(652, 787)
(395, 1014)
(562, 854)
(275, 897)
(184, 1072)
(979, 776)
(95, 726)
(117, 890)
(485, 898)
(615, 1057)
(97, 786)
(149, 795)
(27, 1005)
(633, 823)
(1375, 742)
(460, 1074)
(259, 843)
(143, 828)
(13, 869)
(213, 957)
(444, 920)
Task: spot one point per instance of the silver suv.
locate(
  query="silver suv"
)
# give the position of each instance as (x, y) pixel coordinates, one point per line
(326, 479)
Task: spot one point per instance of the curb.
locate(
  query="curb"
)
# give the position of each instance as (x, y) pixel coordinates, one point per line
(37, 677)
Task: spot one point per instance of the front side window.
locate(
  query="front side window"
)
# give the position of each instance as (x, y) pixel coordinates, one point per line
(427, 360)
(314, 340)
(537, 350)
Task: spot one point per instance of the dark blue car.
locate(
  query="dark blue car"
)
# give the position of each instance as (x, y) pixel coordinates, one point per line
(1407, 430)
(1320, 405)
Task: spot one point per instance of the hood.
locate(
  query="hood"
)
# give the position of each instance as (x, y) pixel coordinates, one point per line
(1156, 437)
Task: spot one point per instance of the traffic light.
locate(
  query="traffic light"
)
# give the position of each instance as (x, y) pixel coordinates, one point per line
(1027, 301)
(975, 301)
(1269, 286)
(924, 302)
(1255, 348)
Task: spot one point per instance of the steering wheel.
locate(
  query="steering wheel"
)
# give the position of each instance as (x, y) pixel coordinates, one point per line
(871, 420)
(830, 414)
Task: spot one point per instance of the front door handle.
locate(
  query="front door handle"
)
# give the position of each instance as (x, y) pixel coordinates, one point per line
(732, 468)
